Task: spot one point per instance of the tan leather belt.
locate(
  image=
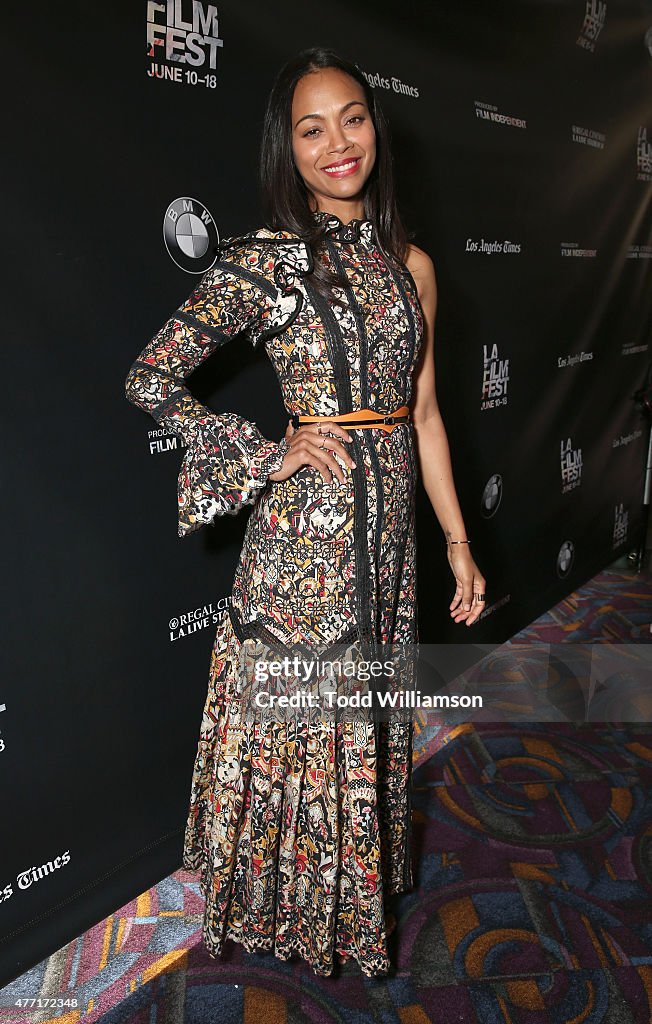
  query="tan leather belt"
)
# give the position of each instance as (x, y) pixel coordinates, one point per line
(360, 419)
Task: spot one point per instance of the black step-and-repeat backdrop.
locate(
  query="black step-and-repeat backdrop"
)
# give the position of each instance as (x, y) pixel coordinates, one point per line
(522, 135)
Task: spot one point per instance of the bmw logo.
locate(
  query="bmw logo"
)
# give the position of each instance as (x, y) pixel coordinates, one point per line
(190, 235)
(491, 496)
(565, 558)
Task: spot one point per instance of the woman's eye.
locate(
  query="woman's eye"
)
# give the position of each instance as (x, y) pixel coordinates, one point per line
(351, 120)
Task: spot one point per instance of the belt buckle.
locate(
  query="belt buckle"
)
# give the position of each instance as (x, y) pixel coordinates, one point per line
(389, 419)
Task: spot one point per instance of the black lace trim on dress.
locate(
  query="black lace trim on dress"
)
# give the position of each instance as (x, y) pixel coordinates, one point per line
(200, 325)
(356, 229)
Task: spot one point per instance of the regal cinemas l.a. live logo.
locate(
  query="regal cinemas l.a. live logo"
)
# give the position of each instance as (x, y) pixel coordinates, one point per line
(571, 466)
(182, 42)
(495, 378)
(621, 520)
(197, 619)
(595, 16)
(643, 156)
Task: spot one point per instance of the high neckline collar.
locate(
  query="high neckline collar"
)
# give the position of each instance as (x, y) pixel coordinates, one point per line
(356, 229)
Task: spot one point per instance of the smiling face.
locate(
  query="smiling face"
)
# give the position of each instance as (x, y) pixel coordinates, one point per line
(333, 141)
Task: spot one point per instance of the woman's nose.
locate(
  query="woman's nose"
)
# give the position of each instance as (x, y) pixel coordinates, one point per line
(337, 140)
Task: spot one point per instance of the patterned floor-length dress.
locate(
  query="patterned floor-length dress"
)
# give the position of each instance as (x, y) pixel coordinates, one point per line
(300, 831)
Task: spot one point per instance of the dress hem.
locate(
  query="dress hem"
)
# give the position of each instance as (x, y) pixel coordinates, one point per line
(267, 943)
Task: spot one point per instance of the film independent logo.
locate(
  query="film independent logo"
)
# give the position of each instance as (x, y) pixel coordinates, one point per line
(190, 235)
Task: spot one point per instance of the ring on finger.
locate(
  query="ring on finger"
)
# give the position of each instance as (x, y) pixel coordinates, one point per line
(479, 597)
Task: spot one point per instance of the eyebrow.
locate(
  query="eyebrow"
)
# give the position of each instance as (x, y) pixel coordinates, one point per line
(319, 117)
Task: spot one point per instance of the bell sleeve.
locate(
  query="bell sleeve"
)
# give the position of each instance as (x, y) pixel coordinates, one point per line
(227, 460)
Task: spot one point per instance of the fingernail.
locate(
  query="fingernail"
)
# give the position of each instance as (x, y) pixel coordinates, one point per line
(467, 607)
(354, 465)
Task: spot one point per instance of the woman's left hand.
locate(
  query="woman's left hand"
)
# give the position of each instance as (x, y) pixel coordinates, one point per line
(470, 582)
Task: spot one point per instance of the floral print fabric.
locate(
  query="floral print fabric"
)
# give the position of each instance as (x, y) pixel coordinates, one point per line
(300, 829)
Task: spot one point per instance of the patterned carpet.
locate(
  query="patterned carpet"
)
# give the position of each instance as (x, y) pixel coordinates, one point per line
(533, 857)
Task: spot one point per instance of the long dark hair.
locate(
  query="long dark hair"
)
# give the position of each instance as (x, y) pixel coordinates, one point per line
(284, 195)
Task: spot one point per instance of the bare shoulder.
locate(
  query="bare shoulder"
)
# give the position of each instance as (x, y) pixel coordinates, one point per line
(422, 269)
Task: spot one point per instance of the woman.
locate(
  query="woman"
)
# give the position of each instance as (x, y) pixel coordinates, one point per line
(302, 832)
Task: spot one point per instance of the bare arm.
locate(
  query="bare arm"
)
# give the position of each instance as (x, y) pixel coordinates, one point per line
(434, 452)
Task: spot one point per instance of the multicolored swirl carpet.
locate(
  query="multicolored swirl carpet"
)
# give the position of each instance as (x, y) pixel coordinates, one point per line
(533, 900)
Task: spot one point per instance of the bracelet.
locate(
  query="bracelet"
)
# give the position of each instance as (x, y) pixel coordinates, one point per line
(459, 542)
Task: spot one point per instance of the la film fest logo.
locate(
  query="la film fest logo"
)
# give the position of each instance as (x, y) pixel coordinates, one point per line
(495, 378)
(183, 39)
(571, 466)
(621, 520)
(491, 496)
(395, 84)
(565, 559)
(190, 235)
(643, 156)
(595, 16)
